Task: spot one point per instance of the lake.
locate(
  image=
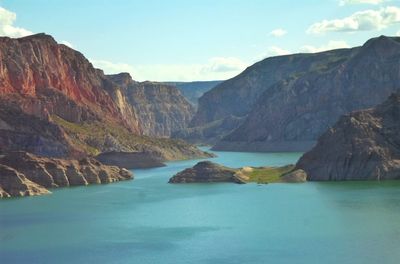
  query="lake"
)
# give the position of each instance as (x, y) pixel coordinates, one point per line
(149, 221)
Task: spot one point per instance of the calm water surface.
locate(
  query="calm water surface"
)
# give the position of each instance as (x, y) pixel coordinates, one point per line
(150, 221)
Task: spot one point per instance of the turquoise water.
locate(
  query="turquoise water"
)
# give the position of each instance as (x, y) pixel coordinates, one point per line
(150, 221)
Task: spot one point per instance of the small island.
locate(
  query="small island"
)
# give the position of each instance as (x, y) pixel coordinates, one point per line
(207, 172)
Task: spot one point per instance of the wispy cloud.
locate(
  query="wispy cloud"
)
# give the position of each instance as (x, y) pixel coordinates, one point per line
(217, 68)
(7, 28)
(352, 2)
(359, 21)
(279, 32)
(333, 44)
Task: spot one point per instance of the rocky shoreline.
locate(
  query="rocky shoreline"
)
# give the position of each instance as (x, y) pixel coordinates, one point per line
(25, 174)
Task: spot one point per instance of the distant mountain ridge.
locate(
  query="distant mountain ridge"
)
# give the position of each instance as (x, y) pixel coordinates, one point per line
(194, 90)
(287, 102)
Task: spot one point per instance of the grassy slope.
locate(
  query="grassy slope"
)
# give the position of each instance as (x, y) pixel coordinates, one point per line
(264, 174)
(91, 136)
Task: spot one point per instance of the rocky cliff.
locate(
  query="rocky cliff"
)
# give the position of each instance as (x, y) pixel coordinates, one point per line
(296, 111)
(75, 110)
(161, 108)
(23, 174)
(31, 65)
(363, 145)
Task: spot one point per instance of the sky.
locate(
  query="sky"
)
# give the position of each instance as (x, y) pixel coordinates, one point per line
(196, 40)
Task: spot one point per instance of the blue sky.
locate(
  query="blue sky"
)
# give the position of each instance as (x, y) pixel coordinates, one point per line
(178, 40)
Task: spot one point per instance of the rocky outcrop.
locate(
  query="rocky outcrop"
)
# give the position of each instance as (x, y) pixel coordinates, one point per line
(206, 171)
(295, 176)
(13, 184)
(161, 108)
(23, 173)
(363, 145)
(130, 160)
(194, 90)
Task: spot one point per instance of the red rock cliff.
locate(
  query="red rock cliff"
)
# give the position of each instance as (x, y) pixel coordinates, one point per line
(31, 65)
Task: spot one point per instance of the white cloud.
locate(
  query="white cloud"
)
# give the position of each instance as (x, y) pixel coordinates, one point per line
(372, 2)
(218, 68)
(333, 44)
(277, 51)
(359, 21)
(398, 33)
(222, 64)
(7, 28)
(279, 32)
(66, 43)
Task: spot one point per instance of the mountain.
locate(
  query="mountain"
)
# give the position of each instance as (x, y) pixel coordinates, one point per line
(225, 107)
(363, 145)
(160, 108)
(287, 102)
(194, 90)
(32, 65)
(64, 107)
(297, 110)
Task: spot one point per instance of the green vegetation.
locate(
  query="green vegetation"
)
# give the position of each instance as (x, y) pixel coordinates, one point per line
(264, 174)
(91, 137)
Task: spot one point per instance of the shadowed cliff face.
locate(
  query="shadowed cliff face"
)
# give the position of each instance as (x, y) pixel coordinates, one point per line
(31, 65)
(363, 145)
(296, 108)
(161, 108)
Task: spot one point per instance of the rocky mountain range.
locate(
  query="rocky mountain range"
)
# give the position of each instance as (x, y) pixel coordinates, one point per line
(362, 145)
(285, 103)
(67, 108)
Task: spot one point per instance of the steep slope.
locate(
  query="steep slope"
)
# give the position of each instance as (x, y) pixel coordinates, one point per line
(234, 98)
(363, 145)
(194, 90)
(292, 113)
(64, 107)
(31, 65)
(161, 108)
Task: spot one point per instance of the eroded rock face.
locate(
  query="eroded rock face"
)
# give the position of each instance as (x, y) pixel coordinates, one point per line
(363, 145)
(13, 184)
(28, 174)
(206, 171)
(30, 65)
(161, 108)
